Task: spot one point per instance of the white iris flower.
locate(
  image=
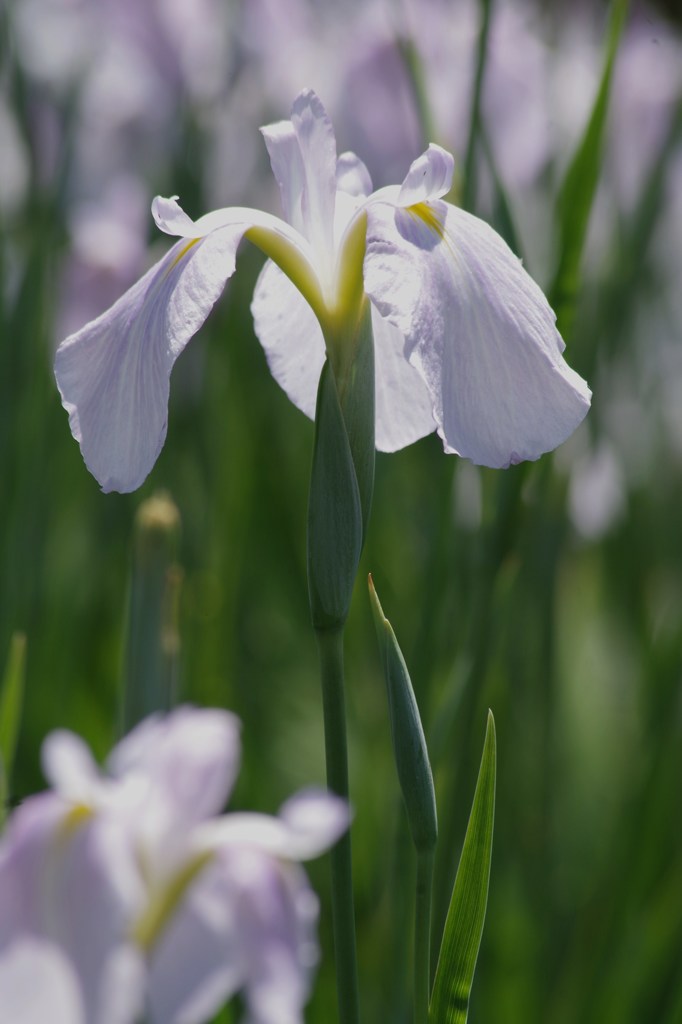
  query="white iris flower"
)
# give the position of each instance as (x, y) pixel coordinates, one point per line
(127, 894)
(465, 342)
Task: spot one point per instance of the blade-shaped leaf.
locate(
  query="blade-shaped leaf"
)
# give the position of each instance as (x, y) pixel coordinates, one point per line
(466, 916)
(580, 184)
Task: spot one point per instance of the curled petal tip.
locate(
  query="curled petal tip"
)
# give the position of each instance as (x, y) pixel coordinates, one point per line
(429, 177)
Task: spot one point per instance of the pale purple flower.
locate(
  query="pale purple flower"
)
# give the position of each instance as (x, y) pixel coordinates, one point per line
(126, 893)
(465, 341)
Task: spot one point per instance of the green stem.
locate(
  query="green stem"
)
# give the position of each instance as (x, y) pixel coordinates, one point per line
(330, 643)
(422, 936)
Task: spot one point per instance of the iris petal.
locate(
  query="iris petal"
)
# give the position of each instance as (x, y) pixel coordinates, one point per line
(477, 328)
(303, 157)
(429, 177)
(113, 375)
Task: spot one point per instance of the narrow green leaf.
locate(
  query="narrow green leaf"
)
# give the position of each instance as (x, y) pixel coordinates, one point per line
(580, 184)
(11, 703)
(466, 916)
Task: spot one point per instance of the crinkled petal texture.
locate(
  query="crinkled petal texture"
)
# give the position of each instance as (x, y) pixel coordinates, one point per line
(477, 329)
(294, 346)
(114, 374)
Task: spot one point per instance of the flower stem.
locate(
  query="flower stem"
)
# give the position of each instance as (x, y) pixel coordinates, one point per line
(422, 936)
(330, 644)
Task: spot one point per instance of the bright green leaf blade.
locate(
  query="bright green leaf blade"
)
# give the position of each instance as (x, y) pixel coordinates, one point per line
(466, 916)
(11, 702)
(580, 184)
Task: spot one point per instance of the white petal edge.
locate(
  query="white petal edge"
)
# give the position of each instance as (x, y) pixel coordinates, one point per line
(308, 824)
(113, 374)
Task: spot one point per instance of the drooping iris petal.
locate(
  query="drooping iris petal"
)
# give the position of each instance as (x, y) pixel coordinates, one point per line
(478, 329)
(429, 177)
(307, 824)
(294, 346)
(246, 923)
(113, 375)
(69, 878)
(198, 962)
(314, 819)
(402, 400)
(38, 984)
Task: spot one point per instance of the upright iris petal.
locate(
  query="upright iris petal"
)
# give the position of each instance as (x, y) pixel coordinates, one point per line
(465, 342)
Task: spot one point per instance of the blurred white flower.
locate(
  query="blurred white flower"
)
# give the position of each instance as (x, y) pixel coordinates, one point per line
(597, 493)
(125, 892)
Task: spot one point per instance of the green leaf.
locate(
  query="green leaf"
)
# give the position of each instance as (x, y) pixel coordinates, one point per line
(11, 703)
(409, 743)
(580, 184)
(466, 916)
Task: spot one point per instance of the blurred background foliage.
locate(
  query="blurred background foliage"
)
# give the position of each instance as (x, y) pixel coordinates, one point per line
(551, 592)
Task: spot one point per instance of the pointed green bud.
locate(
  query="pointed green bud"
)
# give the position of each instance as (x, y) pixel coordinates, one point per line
(152, 643)
(342, 474)
(409, 743)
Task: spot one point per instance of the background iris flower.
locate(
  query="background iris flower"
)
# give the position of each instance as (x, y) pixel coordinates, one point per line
(127, 891)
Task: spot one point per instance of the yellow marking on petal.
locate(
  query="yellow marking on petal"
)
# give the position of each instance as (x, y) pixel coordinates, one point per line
(75, 817)
(427, 214)
(183, 252)
(163, 903)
